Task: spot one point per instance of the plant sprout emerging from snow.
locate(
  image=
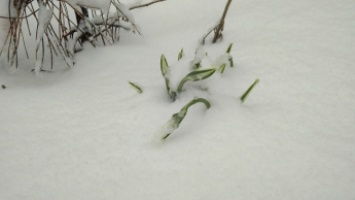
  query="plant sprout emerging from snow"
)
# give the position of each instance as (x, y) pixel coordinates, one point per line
(164, 68)
(181, 54)
(247, 92)
(177, 118)
(136, 87)
(199, 55)
(196, 76)
(198, 71)
(231, 63)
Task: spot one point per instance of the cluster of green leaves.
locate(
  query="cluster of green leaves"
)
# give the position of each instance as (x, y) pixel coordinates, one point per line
(198, 73)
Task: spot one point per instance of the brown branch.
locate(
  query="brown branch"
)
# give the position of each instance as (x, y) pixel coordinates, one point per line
(24, 17)
(220, 26)
(217, 29)
(147, 4)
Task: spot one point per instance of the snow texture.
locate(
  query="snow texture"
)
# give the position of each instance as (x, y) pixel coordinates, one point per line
(102, 5)
(44, 17)
(83, 133)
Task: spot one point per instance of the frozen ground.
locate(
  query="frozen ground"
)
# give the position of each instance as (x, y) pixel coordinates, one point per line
(85, 134)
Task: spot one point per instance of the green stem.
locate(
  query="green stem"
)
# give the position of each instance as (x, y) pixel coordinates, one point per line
(199, 100)
(178, 117)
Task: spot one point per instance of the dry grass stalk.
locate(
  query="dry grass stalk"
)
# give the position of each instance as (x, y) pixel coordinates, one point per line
(63, 32)
(219, 27)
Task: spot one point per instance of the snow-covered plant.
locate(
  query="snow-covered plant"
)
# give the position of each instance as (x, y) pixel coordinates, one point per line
(164, 68)
(199, 55)
(196, 75)
(57, 32)
(177, 118)
(198, 71)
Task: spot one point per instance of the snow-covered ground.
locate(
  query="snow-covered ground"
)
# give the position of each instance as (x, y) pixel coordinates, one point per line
(83, 133)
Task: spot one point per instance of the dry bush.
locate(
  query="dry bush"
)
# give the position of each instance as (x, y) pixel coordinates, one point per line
(58, 32)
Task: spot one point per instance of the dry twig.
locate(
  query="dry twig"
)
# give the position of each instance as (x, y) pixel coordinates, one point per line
(219, 27)
(145, 5)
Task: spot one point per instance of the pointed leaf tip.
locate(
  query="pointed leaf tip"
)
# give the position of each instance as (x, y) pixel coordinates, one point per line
(136, 87)
(164, 65)
(229, 48)
(247, 92)
(181, 54)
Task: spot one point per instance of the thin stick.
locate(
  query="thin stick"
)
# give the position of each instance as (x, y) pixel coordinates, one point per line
(217, 29)
(29, 15)
(7, 38)
(147, 4)
(220, 26)
(24, 45)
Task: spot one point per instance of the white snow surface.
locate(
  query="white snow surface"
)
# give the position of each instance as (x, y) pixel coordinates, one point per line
(44, 18)
(83, 133)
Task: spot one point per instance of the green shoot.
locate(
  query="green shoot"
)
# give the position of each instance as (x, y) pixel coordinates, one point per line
(136, 87)
(229, 48)
(177, 118)
(231, 58)
(231, 62)
(181, 54)
(222, 68)
(164, 67)
(196, 76)
(198, 73)
(247, 92)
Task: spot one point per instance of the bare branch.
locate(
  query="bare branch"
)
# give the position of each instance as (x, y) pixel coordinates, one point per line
(147, 4)
(217, 29)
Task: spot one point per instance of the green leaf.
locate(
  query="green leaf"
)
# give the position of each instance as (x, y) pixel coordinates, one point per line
(222, 68)
(198, 100)
(136, 87)
(164, 67)
(231, 63)
(229, 48)
(196, 76)
(231, 58)
(247, 92)
(177, 118)
(181, 54)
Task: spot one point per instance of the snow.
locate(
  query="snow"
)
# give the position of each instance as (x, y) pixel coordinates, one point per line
(102, 5)
(83, 133)
(44, 18)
